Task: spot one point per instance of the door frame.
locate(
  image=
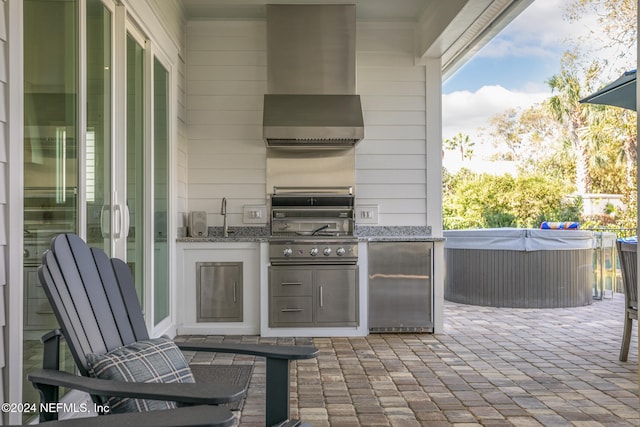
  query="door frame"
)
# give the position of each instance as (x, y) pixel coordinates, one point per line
(164, 46)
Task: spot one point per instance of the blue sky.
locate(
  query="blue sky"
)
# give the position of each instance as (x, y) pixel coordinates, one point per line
(514, 73)
(509, 72)
(524, 55)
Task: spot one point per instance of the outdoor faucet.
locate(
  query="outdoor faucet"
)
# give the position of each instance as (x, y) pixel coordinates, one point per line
(223, 212)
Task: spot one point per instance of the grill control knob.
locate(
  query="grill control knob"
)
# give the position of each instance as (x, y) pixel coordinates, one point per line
(287, 252)
(326, 251)
(313, 251)
(340, 251)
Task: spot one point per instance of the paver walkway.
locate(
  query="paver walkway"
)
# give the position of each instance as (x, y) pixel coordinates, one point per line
(491, 367)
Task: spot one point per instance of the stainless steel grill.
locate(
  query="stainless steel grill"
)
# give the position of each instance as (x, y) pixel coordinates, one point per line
(312, 226)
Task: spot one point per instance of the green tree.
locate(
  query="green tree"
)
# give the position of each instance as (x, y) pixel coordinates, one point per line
(566, 108)
(487, 201)
(617, 30)
(533, 139)
(460, 143)
(506, 129)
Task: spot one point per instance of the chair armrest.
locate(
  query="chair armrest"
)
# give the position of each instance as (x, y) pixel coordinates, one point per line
(192, 416)
(287, 352)
(277, 374)
(186, 393)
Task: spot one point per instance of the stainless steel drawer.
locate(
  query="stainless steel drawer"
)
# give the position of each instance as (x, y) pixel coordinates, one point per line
(292, 311)
(291, 282)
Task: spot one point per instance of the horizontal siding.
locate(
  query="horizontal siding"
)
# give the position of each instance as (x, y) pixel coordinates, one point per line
(410, 147)
(227, 58)
(224, 103)
(226, 81)
(224, 131)
(5, 383)
(226, 73)
(242, 88)
(391, 162)
(213, 117)
(208, 162)
(406, 176)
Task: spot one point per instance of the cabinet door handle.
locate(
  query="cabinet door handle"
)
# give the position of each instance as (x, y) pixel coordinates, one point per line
(291, 310)
(321, 299)
(290, 284)
(234, 292)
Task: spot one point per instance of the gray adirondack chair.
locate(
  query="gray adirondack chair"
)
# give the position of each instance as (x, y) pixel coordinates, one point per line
(94, 300)
(628, 254)
(192, 416)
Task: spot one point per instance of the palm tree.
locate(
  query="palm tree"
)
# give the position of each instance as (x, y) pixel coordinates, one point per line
(566, 108)
(461, 142)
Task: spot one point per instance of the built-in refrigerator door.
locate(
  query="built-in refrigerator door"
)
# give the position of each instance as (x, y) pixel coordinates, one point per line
(400, 287)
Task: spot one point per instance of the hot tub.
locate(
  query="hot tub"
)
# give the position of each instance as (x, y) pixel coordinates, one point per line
(521, 268)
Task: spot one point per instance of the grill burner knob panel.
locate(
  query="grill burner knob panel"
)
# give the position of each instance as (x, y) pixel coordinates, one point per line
(313, 251)
(287, 252)
(326, 251)
(340, 251)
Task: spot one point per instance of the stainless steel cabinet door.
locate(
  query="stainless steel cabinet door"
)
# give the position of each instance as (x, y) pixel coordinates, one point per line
(336, 296)
(400, 288)
(219, 291)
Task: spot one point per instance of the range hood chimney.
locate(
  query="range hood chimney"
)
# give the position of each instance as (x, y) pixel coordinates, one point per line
(311, 77)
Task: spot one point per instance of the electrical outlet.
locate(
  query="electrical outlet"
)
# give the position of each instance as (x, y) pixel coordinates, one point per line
(254, 214)
(367, 214)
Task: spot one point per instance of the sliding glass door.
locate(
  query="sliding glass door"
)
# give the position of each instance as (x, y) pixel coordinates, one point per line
(160, 192)
(97, 140)
(98, 151)
(135, 160)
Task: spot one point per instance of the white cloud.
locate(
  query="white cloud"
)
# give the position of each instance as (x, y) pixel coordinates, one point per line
(465, 111)
(542, 30)
(468, 112)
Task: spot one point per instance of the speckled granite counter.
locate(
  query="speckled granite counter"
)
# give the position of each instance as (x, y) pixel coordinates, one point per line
(395, 234)
(236, 234)
(363, 233)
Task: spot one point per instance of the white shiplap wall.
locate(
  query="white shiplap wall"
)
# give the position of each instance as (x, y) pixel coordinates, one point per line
(391, 162)
(3, 187)
(226, 81)
(225, 157)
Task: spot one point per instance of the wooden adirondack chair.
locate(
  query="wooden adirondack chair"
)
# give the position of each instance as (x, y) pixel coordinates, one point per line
(94, 300)
(628, 254)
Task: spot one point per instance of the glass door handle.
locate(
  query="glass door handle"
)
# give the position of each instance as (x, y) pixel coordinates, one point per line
(118, 223)
(105, 221)
(126, 220)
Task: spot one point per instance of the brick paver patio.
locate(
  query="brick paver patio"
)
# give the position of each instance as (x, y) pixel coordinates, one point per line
(491, 367)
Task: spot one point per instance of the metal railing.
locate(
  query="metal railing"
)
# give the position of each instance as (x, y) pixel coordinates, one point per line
(606, 265)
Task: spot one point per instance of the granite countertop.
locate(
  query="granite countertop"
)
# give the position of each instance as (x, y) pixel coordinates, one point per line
(236, 234)
(362, 233)
(396, 234)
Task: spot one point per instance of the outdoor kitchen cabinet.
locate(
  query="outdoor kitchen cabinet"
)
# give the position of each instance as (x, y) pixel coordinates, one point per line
(313, 296)
(219, 290)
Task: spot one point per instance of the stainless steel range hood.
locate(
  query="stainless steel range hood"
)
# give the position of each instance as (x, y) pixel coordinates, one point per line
(312, 120)
(311, 79)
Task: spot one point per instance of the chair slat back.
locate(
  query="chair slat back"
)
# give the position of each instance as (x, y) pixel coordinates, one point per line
(84, 291)
(130, 298)
(628, 254)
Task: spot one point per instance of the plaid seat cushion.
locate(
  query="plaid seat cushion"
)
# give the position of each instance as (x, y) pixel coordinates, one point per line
(156, 360)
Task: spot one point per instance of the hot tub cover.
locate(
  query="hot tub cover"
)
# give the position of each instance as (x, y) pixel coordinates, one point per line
(518, 239)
